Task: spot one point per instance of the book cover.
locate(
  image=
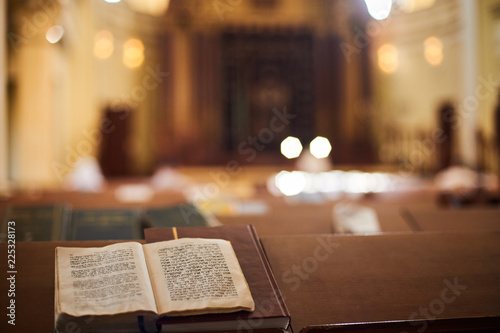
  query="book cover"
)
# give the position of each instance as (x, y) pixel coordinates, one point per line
(36, 223)
(270, 309)
(105, 224)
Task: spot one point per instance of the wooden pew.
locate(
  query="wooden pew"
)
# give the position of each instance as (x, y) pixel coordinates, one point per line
(463, 219)
(347, 280)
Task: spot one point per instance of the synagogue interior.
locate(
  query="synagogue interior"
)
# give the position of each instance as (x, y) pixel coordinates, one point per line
(375, 122)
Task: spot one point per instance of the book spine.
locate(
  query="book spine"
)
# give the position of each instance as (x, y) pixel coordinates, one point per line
(270, 275)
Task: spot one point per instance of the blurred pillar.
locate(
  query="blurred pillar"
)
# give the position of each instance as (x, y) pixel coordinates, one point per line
(33, 122)
(468, 110)
(4, 155)
(497, 138)
(183, 86)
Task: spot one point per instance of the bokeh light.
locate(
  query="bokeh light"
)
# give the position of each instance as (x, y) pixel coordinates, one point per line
(379, 9)
(433, 50)
(388, 58)
(291, 183)
(133, 53)
(320, 147)
(150, 7)
(410, 6)
(54, 34)
(291, 147)
(103, 44)
(335, 182)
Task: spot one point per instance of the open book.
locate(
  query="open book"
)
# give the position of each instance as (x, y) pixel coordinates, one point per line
(271, 314)
(127, 286)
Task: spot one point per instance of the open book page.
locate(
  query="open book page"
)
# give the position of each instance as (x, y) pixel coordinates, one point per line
(196, 276)
(99, 281)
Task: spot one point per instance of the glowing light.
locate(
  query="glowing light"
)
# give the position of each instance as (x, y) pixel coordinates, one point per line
(103, 44)
(359, 182)
(150, 7)
(54, 34)
(356, 182)
(112, 1)
(410, 6)
(433, 50)
(320, 147)
(291, 183)
(376, 182)
(133, 53)
(379, 9)
(329, 182)
(291, 147)
(388, 58)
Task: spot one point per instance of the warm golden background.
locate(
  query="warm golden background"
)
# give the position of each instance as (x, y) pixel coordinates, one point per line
(372, 87)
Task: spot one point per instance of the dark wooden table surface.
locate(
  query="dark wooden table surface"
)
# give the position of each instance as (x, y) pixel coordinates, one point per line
(34, 285)
(325, 279)
(462, 219)
(328, 279)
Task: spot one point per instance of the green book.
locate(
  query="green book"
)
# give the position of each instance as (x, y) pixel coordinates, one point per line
(105, 224)
(183, 215)
(35, 223)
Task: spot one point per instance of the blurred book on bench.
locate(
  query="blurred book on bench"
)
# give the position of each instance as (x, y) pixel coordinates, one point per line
(181, 215)
(36, 223)
(105, 224)
(355, 219)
